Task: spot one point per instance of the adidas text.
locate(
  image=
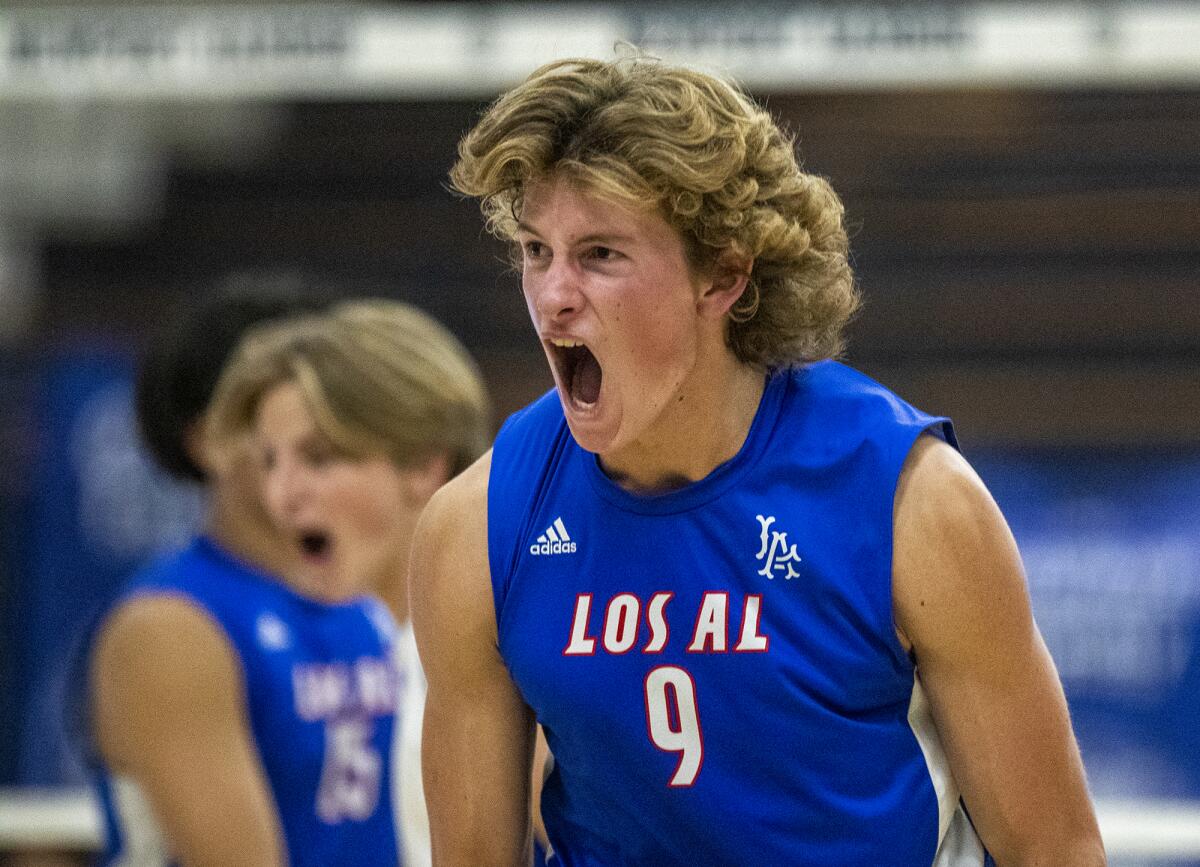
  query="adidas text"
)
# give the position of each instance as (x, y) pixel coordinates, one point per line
(552, 548)
(556, 540)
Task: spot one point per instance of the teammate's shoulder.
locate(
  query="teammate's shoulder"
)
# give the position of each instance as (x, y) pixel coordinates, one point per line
(150, 640)
(158, 619)
(157, 659)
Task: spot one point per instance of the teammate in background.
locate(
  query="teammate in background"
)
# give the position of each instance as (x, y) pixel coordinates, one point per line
(254, 716)
(357, 418)
(763, 609)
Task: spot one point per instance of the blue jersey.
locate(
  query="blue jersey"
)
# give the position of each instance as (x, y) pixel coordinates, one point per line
(322, 688)
(716, 668)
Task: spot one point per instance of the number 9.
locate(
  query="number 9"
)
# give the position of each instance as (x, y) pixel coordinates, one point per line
(680, 707)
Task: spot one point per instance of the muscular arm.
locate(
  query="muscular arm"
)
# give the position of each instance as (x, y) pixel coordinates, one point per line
(169, 711)
(477, 745)
(962, 607)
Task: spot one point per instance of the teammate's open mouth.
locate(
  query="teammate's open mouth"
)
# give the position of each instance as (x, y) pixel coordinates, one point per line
(580, 374)
(315, 544)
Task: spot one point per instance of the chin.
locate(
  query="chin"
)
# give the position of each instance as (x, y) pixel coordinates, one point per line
(599, 432)
(590, 439)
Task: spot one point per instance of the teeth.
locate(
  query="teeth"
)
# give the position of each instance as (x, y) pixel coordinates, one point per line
(566, 344)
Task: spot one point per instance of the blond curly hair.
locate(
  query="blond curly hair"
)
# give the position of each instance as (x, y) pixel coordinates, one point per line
(714, 164)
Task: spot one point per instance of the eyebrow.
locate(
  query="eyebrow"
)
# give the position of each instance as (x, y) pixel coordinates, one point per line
(601, 238)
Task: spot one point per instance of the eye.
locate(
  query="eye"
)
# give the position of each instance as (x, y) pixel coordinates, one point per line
(318, 458)
(534, 250)
(266, 459)
(318, 453)
(603, 254)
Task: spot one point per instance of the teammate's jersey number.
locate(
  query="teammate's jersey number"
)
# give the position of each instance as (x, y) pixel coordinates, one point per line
(351, 774)
(673, 720)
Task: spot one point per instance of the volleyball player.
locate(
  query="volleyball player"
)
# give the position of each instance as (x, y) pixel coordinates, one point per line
(358, 417)
(762, 607)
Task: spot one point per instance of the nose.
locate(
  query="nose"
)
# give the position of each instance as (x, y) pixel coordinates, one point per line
(555, 292)
(285, 489)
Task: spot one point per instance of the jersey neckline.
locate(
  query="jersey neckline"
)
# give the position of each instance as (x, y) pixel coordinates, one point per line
(715, 483)
(230, 562)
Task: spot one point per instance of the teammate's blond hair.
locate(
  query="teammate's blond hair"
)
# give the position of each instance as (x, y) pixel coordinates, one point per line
(379, 377)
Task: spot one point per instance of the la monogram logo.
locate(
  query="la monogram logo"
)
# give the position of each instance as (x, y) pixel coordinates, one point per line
(777, 555)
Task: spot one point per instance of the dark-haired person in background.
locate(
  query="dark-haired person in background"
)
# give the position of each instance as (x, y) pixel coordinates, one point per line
(165, 767)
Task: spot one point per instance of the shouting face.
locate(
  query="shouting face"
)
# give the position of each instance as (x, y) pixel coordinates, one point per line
(632, 333)
(349, 518)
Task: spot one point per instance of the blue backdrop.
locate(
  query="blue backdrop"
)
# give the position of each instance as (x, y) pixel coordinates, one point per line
(98, 508)
(1111, 543)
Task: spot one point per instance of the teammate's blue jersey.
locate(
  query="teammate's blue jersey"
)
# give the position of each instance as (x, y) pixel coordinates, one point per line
(717, 668)
(322, 690)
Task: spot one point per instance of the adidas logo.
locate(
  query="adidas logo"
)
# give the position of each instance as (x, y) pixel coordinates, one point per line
(556, 540)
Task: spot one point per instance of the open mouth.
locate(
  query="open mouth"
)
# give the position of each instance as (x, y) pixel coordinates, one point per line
(578, 371)
(315, 545)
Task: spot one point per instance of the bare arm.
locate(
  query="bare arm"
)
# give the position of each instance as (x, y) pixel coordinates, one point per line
(542, 765)
(477, 745)
(962, 606)
(169, 711)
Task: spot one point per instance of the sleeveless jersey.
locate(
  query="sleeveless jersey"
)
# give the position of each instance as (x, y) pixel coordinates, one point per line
(323, 685)
(716, 668)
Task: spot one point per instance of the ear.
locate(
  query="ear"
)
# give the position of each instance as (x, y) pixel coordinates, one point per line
(422, 479)
(730, 277)
(233, 457)
(199, 447)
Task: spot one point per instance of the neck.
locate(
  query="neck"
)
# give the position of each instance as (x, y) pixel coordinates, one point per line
(703, 428)
(236, 522)
(392, 585)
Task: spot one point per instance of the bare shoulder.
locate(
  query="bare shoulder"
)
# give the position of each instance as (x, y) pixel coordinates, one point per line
(157, 658)
(169, 710)
(458, 511)
(953, 554)
(937, 484)
(962, 609)
(449, 580)
(159, 632)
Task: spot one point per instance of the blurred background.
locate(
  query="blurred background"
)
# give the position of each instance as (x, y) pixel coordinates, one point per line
(1023, 185)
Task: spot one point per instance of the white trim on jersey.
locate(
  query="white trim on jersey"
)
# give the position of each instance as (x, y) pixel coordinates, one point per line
(408, 793)
(958, 844)
(142, 841)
